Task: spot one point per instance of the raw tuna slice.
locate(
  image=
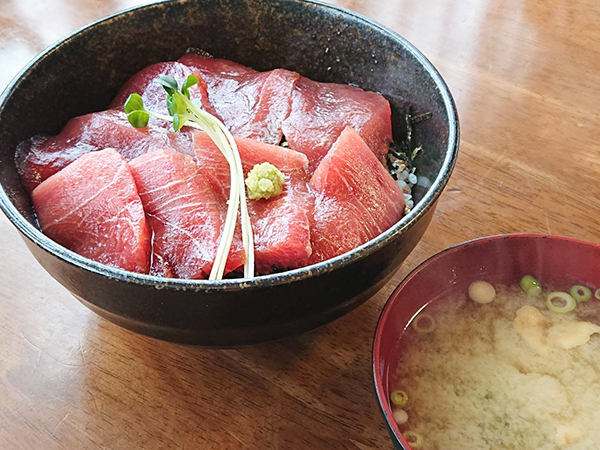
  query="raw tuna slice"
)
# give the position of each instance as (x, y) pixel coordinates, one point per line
(251, 104)
(154, 96)
(42, 156)
(356, 198)
(320, 111)
(93, 208)
(185, 213)
(280, 224)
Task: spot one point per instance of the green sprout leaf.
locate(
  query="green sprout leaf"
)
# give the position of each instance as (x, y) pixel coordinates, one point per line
(171, 105)
(134, 103)
(179, 104)
(139, 119)
(190, 81)
(177, 122)
(176, 104)
(169, 83)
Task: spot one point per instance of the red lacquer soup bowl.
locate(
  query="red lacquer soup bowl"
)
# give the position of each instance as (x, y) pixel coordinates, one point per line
(501, 260)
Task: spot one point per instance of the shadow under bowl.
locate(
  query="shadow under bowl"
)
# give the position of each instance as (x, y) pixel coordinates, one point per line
(82, 73)
(500, 260)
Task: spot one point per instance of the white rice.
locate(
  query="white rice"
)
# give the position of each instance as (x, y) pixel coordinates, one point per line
(405, 179)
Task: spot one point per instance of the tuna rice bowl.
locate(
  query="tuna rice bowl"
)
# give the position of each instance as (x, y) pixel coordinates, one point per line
(203, 168)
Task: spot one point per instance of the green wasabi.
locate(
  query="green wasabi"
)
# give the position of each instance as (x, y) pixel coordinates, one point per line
(264, 181)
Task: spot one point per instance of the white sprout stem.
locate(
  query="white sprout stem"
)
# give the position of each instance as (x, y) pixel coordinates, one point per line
(224, 140)
(247, 237)
(221, 257)
(191, 125)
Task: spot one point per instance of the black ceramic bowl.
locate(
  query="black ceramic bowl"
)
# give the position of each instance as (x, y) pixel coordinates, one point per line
(83, 72)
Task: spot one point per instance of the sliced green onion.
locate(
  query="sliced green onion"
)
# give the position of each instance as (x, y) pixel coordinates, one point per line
(531, 286)
(581, 293)
(597, 294)
(414, 439)
(399, 398)
(417, 323)
(569, 301)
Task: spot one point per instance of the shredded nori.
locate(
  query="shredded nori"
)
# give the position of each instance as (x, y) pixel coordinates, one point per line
(391, 166)
(406, 150)
(421, 117)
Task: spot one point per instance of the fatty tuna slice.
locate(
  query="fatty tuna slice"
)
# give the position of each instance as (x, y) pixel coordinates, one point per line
(42, 156)
(251, 104)
(321, 111)
(145, 83)
(185, 213)
(93, 208)
(356, 198)
(280, 224)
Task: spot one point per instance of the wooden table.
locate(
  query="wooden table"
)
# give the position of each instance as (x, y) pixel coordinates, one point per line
(526, 78)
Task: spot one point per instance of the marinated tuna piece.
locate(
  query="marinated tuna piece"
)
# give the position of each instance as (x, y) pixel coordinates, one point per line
(40, 157)
(92, 207)
(336, 133)
(356, 198)
(185, 213)
(321, 111)
(251, 104)
(145, 84)
(280, 224)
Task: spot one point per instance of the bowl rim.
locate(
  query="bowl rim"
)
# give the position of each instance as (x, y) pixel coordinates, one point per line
(382, 399)
(405, 223)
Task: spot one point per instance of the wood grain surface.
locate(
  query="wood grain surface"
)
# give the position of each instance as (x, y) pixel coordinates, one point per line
(526, 77)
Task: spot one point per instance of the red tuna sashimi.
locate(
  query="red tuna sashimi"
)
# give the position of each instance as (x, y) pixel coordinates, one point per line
(145, 83)
(356, 198)
(93, 208)
(41, 156)
(185, 213)
(321, 111)
(251, 104)
(280, 224)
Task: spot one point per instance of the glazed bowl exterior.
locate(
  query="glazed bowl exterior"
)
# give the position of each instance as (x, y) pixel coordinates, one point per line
(500, 260)
(82, 73)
